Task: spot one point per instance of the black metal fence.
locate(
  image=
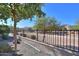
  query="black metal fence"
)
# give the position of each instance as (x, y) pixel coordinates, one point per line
(68, 39)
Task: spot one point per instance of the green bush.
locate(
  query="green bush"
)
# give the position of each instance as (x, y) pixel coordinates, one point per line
(5, 36)
(5, 48)
(24, 35)
(74, 27)
(4, 29)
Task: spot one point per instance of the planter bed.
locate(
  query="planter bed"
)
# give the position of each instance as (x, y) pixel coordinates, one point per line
(6, 49)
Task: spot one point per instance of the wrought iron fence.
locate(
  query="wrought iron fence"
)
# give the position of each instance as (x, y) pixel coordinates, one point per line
(68, 39)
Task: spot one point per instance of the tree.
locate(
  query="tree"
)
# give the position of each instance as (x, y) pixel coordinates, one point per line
(19, 11)
(46, 23)
(74, 27)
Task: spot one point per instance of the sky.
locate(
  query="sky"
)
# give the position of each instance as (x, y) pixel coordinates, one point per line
(64, 13)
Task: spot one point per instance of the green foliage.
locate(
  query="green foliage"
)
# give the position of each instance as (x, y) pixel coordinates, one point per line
(46, 23)
(4, 47)
(33, 37)
(74, 27)
(21, 11)
(5, 36)
(4, 29)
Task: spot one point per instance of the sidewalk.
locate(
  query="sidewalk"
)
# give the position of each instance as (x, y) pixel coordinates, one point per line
(48, 50)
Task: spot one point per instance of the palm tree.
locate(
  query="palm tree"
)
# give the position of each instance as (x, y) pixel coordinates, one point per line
(19, 11)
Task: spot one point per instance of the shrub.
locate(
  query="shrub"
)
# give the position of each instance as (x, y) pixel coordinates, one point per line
(21, 34)
(24, 35)
(5, 48)
(33, 37)
(4, 36)
(4, 29)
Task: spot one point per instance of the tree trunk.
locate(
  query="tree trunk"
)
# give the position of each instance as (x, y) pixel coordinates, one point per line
(13, 11)
(15, 39)
(37, 34)
(44, 33)
(15, 36)
(23, 32)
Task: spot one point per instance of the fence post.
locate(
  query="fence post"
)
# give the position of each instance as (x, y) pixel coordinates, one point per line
(53, 37)
(63, 37)
(44, 36)
(70, 38)
(66, 39)
(78, 40)
(74, 40)
(23, 32)
(60, 38)
(37, 34)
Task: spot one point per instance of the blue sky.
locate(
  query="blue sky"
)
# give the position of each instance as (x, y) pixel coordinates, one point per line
(63, 12)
